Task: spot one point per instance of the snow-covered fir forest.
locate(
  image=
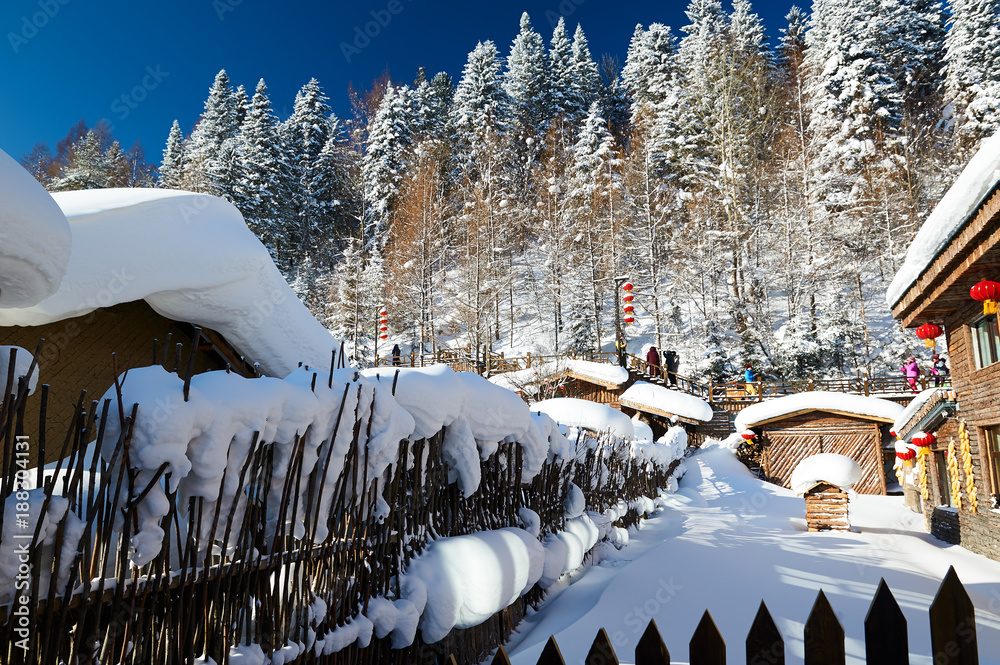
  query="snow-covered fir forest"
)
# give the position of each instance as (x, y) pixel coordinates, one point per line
(760, 195)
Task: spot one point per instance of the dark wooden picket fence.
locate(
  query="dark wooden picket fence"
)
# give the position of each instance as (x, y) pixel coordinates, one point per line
(952, 624)
(196, 599)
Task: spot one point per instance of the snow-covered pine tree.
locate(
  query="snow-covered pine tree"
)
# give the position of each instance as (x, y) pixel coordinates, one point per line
(210, 148)
(172, 166)
(383, 166)
(263, 189)
(562, 97)
(526, 83)
(586, 81)
(355, 297)
(88, 166)
(972, 81)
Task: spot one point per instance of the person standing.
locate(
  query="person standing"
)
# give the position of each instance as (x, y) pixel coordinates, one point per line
(653, 362)
(939, 370)
(749, 378)
(396, 359)
(911, 370)
(620, 347)
(671, 363)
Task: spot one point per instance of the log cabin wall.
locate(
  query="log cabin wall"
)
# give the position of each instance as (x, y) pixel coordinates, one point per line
(77, 354)
(787, 442)
(590, 391)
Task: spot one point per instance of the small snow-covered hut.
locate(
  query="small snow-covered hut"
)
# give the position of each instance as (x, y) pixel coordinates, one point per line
(661, 407)
(824, 481)
(795, 427)
(586, 415)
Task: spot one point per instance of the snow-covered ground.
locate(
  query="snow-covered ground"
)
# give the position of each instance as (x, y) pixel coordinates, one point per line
(726, 540)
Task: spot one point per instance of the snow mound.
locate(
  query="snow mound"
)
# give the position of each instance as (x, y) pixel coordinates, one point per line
(477, 415)
(34, 238)
(651, 396)
(192, 258)
(838, 470)
(950, 214)
(588, 415)
(460, 582)
(818, 400)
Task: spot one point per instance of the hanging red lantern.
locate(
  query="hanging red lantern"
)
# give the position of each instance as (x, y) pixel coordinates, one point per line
(627, 286)
(628, 308)
(928, 332)
(629, 298)
(892, 432)
(923, 439)
(383, 337)
(747, 435)
(383, 313)
(907, 454)
(629, 320)
(988, 293)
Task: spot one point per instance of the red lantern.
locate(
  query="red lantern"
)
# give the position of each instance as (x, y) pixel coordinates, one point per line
(747, 435)
(383, 313)
(629, 298)
(892, 432)
(928, 332)
(627, 286)
(923, 439)
(383, 337)
(629, 320)
(628, 308)
(988, 293)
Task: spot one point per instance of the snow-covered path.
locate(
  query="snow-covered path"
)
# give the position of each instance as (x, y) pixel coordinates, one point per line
(727, 540)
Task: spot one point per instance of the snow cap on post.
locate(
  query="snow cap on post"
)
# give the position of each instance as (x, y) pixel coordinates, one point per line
(832, 468)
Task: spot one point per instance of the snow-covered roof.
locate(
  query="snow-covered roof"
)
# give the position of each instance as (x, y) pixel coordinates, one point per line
(588, 415)
(34, 238)
(911, 409)
(652, 398)
(611, 376)
(976, 180)
(872, 408)
(832, 468)
(192, 258)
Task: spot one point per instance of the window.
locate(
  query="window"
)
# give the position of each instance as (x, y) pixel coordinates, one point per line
(944, 478)
(992, 457)
(986, 341)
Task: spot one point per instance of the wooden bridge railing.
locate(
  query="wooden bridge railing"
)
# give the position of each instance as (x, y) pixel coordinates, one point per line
(466, 359)
(952, 621)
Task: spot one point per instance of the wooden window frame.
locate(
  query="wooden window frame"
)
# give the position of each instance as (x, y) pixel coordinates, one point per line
(990, 454)
(990, 322)
(943, 477)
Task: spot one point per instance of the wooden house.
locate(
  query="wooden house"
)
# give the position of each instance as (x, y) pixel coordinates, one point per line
(84, 352)
(661, 408)
(790, 429)
(958, 248)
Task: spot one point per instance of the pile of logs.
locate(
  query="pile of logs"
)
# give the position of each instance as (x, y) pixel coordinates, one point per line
(826, 508)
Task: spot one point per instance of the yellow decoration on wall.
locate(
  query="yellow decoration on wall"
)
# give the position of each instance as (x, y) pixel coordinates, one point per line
(925, 491)
(900, 471)
(970, 478)
(954, 481)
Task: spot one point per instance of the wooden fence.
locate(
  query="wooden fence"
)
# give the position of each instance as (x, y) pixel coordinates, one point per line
(254, 579)
(952, 623)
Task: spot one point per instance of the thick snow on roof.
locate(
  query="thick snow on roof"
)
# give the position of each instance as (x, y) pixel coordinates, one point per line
(604, 372)
(670, 401)
(832, 468)
(911, 409)
(975, 181)
(192, 258)
(34, 238)
(588, 415)
(817, 400)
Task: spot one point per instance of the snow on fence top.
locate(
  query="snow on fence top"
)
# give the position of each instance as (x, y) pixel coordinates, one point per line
(950, 214)
(192, 258)
(35, 237)
(596, 417)
(476, 413)
(817, 400)
(658, 399)
(832, 468)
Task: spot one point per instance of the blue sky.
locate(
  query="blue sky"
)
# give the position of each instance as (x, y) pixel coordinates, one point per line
(142, 64)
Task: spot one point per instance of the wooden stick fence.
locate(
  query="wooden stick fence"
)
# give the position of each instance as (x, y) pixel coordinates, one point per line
(229, 577)
(952, 629)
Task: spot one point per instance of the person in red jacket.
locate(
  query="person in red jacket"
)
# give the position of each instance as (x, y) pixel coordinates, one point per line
(653, 361)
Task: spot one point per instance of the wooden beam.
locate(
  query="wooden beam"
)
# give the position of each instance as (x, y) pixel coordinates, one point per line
(856, 416)
(657, 412)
